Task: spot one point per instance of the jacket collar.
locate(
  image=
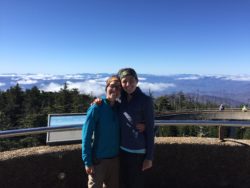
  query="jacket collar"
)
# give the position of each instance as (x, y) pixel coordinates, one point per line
(135, 93)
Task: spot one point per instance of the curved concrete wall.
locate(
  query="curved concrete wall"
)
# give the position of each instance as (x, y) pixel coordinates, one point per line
(178, 163)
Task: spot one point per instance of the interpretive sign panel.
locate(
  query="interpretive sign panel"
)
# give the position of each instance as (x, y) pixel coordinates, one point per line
(69, 120)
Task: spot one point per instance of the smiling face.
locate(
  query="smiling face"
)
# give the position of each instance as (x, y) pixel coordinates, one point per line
(129, 84)
(113, 91)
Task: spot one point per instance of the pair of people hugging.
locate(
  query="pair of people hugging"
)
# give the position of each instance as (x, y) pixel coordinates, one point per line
(123, 128)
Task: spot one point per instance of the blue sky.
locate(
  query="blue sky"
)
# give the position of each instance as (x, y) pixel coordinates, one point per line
(153, 36)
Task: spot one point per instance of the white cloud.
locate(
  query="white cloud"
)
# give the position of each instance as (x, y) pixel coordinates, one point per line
(34, 77)
(146, 86)
(240, 77)
(91, 87)
(96, 87)
(237, 77)
(189, 78)
(142, 79)
(15, 78)
(53, 87)
(42, 76)
(27, 81)
(75, 76)
(2, 84)
(8, 75)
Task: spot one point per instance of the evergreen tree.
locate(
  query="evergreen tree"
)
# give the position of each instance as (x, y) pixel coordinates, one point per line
(13, 108)
(162, 104)
(32, 101)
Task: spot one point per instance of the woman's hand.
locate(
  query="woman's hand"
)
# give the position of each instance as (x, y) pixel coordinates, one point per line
(147, 164)
(89, 170)
(97, 101)
(140, 127)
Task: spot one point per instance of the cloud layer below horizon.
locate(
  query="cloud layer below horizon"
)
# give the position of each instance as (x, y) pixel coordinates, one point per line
(94, 84)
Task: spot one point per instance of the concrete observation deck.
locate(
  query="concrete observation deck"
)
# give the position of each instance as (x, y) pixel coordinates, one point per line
(179, 162)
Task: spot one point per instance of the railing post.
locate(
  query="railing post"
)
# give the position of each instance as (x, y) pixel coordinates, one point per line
(221, 133)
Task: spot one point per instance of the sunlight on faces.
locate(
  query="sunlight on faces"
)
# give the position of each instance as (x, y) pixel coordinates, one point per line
(113, 91)
(129, 84)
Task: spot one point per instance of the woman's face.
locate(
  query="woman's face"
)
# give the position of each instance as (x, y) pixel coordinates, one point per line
(129, 84)
(113, 91)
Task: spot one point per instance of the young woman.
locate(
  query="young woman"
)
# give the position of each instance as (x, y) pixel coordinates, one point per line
(136, 148)
(101, 138)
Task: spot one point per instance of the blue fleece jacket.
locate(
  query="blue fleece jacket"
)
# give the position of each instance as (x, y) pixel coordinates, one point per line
(100, 133)
(138, 110)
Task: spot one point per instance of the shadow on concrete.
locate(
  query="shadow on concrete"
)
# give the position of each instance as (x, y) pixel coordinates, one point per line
(175, 166)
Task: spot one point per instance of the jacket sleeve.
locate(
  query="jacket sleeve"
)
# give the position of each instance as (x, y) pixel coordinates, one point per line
(149, 131)
(87, 132)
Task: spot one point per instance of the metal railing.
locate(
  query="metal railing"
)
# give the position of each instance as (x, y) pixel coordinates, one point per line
(225, 123)
(219, 123)
(40, 130)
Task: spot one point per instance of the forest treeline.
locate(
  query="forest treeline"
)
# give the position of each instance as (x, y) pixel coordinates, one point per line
(30, 108)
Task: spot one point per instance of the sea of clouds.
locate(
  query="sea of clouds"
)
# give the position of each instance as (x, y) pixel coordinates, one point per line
(94, 84)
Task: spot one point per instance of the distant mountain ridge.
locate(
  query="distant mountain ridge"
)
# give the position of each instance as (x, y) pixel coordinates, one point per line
(234, 89)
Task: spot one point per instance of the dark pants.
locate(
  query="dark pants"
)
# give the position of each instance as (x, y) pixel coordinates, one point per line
(131, 172)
